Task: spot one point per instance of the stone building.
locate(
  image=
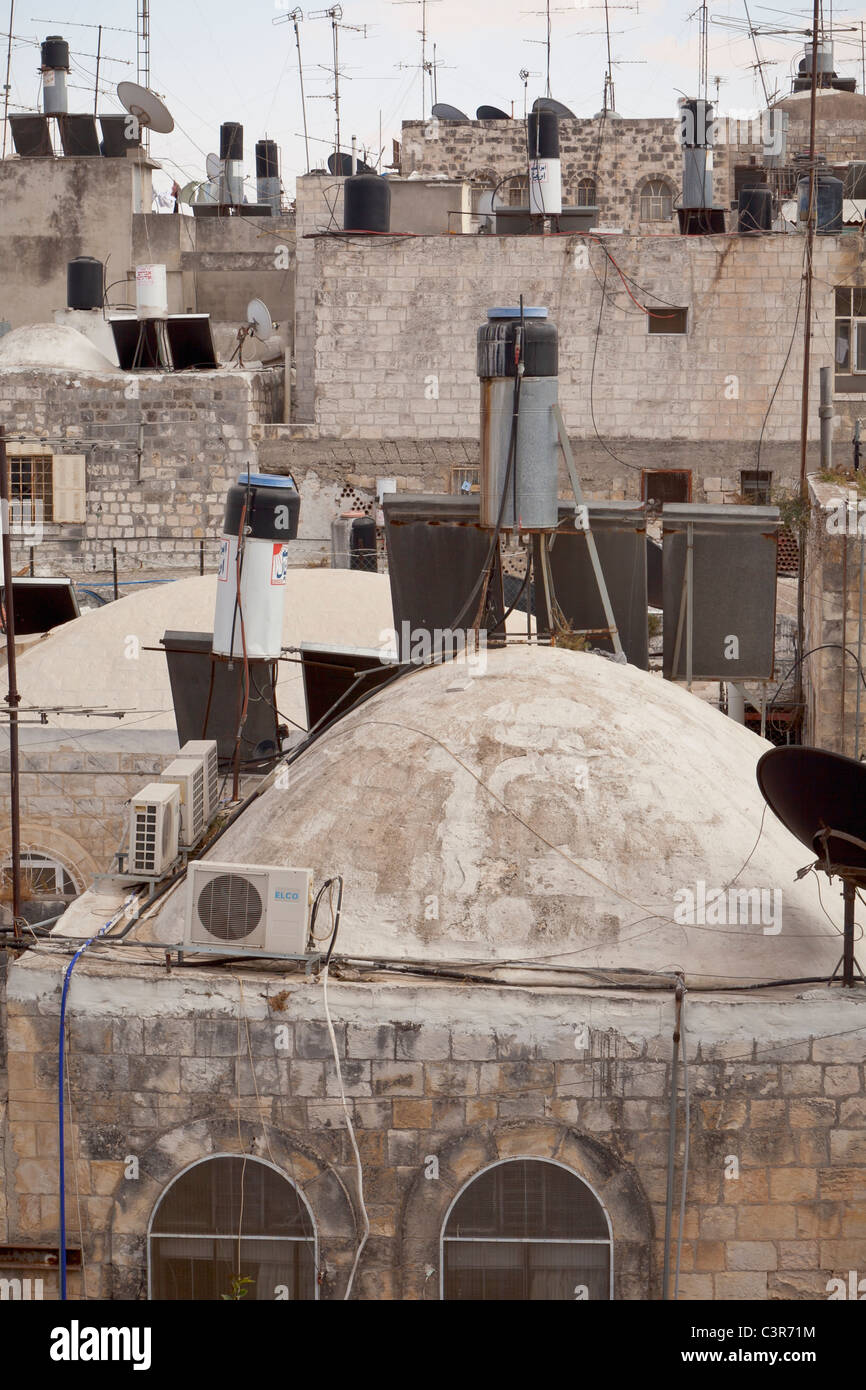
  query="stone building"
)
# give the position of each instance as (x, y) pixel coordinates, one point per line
(477, 1102)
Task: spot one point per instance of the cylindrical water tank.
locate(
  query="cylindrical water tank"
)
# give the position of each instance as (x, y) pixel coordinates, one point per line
(232, 156)
(528, 500)
(268, 174)
(829, 192)
(151, 292)
(261, 517)
(755, 210)
(54, 61)
(362, 545)
(545, 170)
(85, 279)
(366, 204)
(855, 179)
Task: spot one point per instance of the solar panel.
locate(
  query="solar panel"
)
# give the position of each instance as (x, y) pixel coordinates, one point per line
(78, 135)
(190, 341)
(30, 136)
(732, 606)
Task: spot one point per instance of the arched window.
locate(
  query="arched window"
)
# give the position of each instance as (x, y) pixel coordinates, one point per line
(656, 201)
(526, 1229)
(586, 193)
(42, 874)
(232, 1226)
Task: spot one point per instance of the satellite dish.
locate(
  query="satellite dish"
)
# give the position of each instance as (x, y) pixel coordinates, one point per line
(213, 166)
(259, 318)
(491, 113)
(443, 112)
(821, 798)
(812, 793)
(146, 106)
(548, 104)
(188, 193)
(341, 164)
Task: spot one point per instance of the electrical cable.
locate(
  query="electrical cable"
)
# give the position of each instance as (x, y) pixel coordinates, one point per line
(686, 1138)
(351, 1129)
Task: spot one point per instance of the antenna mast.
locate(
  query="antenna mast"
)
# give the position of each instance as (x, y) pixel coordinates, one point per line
(8, 69)
(294, 17)
(335, 14)
(142, 54)
(427, 69)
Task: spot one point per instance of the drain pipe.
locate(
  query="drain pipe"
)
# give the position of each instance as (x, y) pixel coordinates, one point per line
(672, 1139)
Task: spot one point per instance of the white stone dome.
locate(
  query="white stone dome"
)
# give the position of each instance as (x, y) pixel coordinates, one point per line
(460, 820)
(52, 345)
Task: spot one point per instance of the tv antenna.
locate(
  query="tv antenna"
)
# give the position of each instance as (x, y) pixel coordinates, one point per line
(295, 17)
(524, 76)
(611, 61)
(335, 15)
(821, 798)
(426, 68)
(142, 51)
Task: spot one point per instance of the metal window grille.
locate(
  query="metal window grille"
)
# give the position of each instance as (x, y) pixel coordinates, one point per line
(31, 482)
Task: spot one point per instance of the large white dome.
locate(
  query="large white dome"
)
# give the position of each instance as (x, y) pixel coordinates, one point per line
(52, 345)
(558, 808)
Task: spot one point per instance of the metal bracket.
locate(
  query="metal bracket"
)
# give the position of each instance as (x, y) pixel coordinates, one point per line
(565, 446)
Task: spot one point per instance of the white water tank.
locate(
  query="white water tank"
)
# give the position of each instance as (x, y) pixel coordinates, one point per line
(261, 517)
(151, 292)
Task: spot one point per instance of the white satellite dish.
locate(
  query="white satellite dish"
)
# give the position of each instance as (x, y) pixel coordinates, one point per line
(146, 106)
(259, 318)
(213, 166)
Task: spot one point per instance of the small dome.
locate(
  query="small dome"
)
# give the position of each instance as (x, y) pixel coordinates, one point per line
(52, 345)
(558, 808)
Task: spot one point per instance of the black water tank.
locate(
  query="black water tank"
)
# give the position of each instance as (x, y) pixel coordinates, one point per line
(55, 52)
(494, 356)
(267, 160)
(829, 192)
(273, 506)
(231, 140)
(362, 545)
(756, 210)
(542, 131)
(85, 279)
(366, 204)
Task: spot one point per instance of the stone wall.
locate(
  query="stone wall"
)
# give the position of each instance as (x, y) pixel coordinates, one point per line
(160, 452)
(438, 1090)
(390, 326)
(835, 610)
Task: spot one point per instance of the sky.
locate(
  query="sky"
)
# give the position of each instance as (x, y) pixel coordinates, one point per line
(217, 60)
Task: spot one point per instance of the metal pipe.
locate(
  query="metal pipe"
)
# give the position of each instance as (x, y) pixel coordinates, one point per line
(825, 415)
(672, 1142)
(858, 682)
(736, 703)
(807, 348)
(844, 652)
(13, 699)
(690, 607)
(848, 897)
(114, 569)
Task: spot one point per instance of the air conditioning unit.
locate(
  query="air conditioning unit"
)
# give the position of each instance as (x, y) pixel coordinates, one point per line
(188, 775)
(248, 907)
(154, 829)
(206, 749)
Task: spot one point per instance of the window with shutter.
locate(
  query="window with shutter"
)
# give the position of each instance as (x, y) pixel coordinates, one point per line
(70, 488)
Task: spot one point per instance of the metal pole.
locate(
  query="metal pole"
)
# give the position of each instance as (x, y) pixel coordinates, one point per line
(13, 699)
(565, 446)
(807, 348)
(201, 557)
(98, 58)
(337, 83)
(690, 607)
(114, 568)
(858, 681)
(296, 15)
(8, 71)
(672, 1143)
(848, 897)
(32, 561)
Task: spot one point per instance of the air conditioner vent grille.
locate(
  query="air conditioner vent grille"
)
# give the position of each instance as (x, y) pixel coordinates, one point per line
(230, 907)
(145, 839)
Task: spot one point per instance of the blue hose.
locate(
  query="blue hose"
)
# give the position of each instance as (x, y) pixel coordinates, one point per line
(60, 1112)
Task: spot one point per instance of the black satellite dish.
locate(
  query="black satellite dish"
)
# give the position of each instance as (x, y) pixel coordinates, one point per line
(548, 104)
(341, 164)
(443, 112)
(491, 113)
(821, 798)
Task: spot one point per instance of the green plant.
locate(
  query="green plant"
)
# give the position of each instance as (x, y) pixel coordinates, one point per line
(794, 510)
(239, 1289)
